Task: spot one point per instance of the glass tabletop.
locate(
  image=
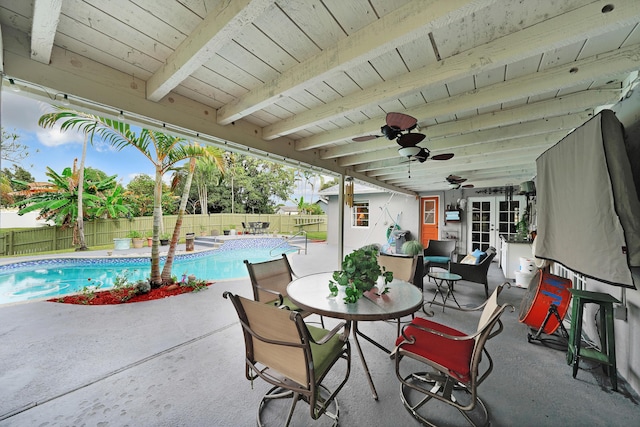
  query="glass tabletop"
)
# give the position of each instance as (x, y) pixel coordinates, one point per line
(311, 293)
(445, 275)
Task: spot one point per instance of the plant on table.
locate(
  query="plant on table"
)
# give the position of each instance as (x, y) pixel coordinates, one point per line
(360, 272)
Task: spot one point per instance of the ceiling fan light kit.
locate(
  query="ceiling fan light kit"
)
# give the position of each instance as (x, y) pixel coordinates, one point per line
(409, 151)
(399, 127)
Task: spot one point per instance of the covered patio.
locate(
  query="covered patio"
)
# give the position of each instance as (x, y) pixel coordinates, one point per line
(310, 83)
(180, 362)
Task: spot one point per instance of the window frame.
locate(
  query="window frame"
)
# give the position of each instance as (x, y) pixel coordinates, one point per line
(356, 211)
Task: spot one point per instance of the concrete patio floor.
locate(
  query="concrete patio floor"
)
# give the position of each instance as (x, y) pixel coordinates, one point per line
(179, 362)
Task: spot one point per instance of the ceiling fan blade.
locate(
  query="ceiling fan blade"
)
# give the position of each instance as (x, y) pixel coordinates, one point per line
(445, 156)
(401, 121)
(410, 139)
(365, 138)
(467, 186)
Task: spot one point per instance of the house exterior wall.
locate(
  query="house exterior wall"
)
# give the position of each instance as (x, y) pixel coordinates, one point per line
(384, 210)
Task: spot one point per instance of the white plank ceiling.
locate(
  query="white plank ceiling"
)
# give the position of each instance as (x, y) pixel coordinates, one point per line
(495, 82)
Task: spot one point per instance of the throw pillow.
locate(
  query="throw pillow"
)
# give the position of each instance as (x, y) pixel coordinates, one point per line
(479, 255)
(469, 259)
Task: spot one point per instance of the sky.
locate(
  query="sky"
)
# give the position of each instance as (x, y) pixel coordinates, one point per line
(56, 149)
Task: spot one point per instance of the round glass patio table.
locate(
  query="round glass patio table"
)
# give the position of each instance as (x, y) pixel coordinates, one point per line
(441, 278)
(311, 293)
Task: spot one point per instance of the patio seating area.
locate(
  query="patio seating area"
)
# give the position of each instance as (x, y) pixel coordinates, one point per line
(179, 361)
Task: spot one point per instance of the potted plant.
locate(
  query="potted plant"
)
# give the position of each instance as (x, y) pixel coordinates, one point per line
(360, 272)
(412, 247)
(164, 239)
(136, 238)
(149, 236)
(232, 230)
(121, 243)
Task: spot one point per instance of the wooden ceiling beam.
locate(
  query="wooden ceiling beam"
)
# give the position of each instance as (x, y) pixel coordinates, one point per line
(414, 20)
(215, 31)
(568, 104)
(46, 15)
(467, 144)
(470, 176)
(556, 32)
(525, 128)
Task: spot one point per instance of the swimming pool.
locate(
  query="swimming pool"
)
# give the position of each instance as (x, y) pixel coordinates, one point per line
(49, 278)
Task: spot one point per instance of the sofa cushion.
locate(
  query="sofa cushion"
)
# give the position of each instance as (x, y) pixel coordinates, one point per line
(469, 259)
(437, 259)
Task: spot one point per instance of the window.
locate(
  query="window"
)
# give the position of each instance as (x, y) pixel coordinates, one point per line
(360, 214)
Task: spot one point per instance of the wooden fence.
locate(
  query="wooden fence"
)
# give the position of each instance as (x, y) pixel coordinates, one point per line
(102, 232)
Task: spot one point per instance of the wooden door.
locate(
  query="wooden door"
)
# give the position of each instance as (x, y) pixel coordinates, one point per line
(430, 214)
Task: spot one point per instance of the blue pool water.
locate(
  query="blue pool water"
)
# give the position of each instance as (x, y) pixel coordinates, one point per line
(54, 277)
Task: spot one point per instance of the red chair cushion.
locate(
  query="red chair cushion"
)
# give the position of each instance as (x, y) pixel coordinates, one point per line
(453, 355)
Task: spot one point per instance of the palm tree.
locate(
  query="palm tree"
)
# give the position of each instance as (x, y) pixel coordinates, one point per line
(80, 221)
(205, 174)
(163, 150)
(44, 121)
(213, 155)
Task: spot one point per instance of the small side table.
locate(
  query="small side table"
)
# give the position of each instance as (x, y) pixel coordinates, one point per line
(441, 277)
(607, 354)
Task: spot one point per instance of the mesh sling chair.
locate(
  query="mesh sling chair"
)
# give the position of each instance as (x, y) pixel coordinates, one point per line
(403, 268)
(292, 356)
(269, 280)
(453, 361)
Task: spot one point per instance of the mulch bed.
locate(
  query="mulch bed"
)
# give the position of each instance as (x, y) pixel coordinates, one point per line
(119, 297)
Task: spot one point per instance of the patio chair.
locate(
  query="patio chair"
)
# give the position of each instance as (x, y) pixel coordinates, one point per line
(269, 280)
(403, 268)
(439, 253)
(292, 356)
(476, 273)
(452, 373)
(265, 228)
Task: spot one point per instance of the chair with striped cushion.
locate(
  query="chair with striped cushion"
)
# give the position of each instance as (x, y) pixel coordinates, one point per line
(452, 370)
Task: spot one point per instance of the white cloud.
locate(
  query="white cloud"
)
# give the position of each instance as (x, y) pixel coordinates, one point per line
(54, 137)
(21, 113)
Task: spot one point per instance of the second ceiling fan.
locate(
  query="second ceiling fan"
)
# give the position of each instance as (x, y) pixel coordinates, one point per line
(399, 126)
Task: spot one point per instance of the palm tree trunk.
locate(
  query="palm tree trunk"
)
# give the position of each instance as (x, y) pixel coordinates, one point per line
(156, 278)
(80, 219)
(203, 198)
(166, 271)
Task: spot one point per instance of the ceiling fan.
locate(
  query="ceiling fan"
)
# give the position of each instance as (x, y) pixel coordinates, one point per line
(456, 181)
(399, 126)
